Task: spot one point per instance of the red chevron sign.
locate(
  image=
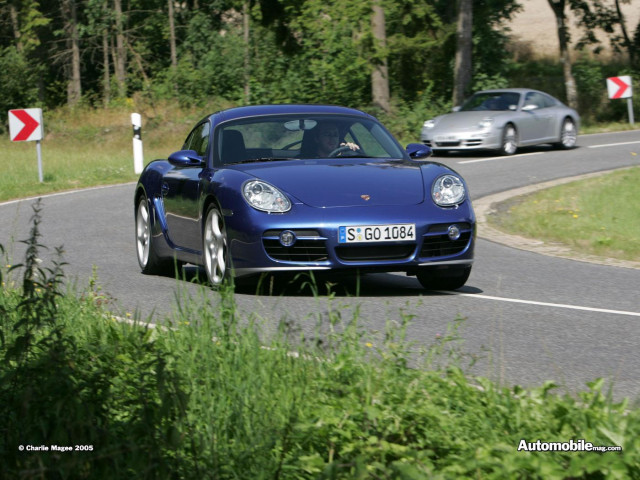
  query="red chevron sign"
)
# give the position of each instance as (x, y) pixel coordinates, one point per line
(25, 125)
(619, 87)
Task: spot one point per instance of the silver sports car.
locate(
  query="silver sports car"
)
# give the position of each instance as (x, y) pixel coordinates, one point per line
(503, 120)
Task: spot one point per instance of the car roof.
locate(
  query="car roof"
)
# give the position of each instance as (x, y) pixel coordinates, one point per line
(512, 90)
(283, 109)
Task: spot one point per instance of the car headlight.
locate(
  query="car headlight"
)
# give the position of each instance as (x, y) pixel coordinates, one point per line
(262, 196)
(429, 124)
(485, 122)
(448, 190)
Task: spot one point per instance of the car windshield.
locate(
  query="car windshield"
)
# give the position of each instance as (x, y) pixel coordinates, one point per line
(295, 137)
(495, 101)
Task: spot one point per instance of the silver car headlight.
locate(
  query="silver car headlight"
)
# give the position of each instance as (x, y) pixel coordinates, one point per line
(448, 190)
(429, 124)
(486, 122)
(262, 196)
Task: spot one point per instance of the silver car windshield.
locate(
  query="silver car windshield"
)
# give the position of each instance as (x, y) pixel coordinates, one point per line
(493, 101)
(294, 137)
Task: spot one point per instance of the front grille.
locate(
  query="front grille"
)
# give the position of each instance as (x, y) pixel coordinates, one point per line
(309, 247)
(442, 245)
(374, 252)
(448, 144)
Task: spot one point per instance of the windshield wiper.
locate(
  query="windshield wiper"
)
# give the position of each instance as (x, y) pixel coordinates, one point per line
(266, 159)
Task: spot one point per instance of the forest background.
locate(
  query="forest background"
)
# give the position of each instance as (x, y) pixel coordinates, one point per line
(402, 59)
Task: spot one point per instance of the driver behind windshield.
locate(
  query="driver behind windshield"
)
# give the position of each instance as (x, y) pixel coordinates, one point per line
(326, 137)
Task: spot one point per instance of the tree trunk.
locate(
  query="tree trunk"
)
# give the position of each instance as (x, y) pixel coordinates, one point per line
(464, 46)
(120, 51)
(247, 52)
(380, 73)
(172, 42)
(106, 78)
(558, 7)
(15, 24)
(625, 35)
(74, 82)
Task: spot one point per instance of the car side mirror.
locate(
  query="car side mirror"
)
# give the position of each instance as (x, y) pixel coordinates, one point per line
(528, 108)
(418, 151)
(186, 158)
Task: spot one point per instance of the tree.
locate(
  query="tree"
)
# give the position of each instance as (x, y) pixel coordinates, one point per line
(626, 41)
(246, 32)
(558, 7)
(464, 46)
(74, 81)
(119, 52)
(380, 71)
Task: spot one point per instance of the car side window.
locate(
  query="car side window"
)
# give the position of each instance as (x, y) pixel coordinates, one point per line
(201, 139)
(538, 100)
(198, 139)
(547, 101)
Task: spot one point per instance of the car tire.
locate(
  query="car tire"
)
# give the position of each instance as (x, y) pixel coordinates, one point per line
(568, 135)
(148, 259)
(449, 278)
(509, 144)
(215, 251)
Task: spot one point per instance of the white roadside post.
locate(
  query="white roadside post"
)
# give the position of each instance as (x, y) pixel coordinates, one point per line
(136, 121)
(621, 87)
(25, 125)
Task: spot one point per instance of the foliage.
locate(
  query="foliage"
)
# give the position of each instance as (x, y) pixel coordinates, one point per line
(315, 51)
(17, 82)
(205, 397)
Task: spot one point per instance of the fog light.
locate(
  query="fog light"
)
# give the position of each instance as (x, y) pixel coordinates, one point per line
(287, 238)
(453, 232)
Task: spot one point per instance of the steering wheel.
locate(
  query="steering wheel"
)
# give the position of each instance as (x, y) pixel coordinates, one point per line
(339, 150)
(292, 144)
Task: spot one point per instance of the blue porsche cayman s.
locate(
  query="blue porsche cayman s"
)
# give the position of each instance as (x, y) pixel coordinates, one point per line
(283, 188)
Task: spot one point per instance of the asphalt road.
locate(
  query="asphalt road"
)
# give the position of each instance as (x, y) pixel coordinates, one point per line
(528, 317)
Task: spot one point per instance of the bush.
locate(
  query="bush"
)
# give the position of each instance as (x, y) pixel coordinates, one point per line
(206, 398)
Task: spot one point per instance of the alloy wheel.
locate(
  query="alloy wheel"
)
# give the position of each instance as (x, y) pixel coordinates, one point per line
(215, 248)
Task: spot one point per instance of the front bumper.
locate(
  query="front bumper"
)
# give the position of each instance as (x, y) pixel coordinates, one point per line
(471, 140)
(317, 247)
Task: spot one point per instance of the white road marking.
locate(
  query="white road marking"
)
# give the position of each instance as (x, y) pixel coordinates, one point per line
(65, 192)
(500, 158)
(613, 144)
(544, 304)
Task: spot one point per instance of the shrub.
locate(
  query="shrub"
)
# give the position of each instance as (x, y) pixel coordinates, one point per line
(208, 396)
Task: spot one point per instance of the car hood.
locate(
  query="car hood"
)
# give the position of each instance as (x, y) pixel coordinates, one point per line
(458, 121)
(344, 183)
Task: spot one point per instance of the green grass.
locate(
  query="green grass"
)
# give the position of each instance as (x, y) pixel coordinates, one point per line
(211, 397)
(86, 147)
(598, 216)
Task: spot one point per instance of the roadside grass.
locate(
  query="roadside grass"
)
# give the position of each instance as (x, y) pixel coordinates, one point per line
(86, 147)
(210, 397)
(598, 216)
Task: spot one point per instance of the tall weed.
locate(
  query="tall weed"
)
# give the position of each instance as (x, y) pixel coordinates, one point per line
(209, 395)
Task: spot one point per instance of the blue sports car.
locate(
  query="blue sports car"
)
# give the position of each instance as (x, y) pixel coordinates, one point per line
(282, 188)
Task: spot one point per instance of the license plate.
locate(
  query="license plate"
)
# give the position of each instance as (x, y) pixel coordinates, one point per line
(377, 233)
(446, 138)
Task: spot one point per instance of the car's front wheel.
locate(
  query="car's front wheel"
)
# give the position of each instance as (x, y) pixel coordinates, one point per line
(568, 135)
(443, 278)
(216, 252)
(148, 259)
(509, 143)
